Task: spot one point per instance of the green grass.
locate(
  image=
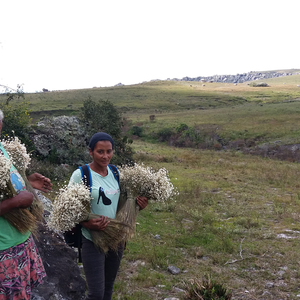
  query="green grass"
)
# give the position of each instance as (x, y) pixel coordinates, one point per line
(224, 223)
(265, 123)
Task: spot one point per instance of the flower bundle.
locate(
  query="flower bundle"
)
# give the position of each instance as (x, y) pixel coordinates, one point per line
(145, 181)
(21, 159)
(70, 207)
(5, 166)
(140, 180)
(20, 218)
(17, 153)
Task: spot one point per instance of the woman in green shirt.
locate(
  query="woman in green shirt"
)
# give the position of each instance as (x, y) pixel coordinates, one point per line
(21, 267)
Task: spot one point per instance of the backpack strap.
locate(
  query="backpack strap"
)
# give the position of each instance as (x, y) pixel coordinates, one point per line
(87, 180)
(86, 176)
(115, 171)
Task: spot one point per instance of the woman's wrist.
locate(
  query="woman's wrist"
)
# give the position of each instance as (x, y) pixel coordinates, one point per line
(8, 204)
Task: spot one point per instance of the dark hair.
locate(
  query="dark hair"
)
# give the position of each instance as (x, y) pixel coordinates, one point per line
(100, 136)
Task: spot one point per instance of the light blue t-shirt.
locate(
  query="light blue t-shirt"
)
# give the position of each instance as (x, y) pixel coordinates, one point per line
(105, 195)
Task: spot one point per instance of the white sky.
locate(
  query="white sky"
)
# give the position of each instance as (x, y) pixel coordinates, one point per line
(81, 44)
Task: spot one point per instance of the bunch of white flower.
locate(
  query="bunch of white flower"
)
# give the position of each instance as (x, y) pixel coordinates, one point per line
(70, 207)
(145, 181)
(17, 152)
(5, 166)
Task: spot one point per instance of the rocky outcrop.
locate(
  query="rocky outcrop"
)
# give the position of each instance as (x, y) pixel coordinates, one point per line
(62, 138)
(238, 78)
(63, 281)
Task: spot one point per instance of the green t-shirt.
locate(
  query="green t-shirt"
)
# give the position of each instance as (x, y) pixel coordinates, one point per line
(105, 195)
(9, 235)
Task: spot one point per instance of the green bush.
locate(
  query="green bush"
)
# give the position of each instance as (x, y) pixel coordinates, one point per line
(182, 127)
(164, 134)
(136, 130)
(16, 117)
(104, 116)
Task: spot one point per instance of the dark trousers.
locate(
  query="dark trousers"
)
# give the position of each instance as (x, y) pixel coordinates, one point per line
(100, 270)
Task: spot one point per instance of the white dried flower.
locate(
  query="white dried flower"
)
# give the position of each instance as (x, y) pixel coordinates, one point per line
(5, 166)
(17, 152)
(145, 181)
(70, 207)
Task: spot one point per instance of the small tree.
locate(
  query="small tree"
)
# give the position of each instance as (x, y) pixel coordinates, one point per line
(16, 115)
(104, 116)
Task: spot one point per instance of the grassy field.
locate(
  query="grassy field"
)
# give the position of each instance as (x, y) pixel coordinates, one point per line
(237, 216)
(236, 219)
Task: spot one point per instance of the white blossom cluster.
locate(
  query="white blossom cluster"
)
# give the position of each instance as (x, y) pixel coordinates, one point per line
(145, 181)
(71, 206)
(17, 152)
(5, 166)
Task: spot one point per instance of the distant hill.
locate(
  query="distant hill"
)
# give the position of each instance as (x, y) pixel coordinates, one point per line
(240, 78)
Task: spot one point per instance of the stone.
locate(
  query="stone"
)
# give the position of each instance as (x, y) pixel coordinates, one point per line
(269, 285)
(173, 270)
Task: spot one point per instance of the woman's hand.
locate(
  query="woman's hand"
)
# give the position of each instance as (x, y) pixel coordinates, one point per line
(40, 182)
(142, 202)
(96, 224)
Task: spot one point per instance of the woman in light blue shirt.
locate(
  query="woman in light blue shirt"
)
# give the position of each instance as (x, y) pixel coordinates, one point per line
(100, 268)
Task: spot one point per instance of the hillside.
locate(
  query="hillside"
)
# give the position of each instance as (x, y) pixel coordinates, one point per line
(166, 96)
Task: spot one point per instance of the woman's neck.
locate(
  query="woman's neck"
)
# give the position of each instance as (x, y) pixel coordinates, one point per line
(98, 169)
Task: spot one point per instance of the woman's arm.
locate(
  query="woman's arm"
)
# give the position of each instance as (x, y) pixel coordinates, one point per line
(22, 200)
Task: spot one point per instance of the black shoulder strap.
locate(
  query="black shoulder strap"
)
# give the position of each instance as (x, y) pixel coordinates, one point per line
(86, 176)
(115, 171)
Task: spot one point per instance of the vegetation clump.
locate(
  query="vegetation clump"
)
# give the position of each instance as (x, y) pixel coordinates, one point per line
(16, 116)
(259, 84)
(205, 289)
(104, 116)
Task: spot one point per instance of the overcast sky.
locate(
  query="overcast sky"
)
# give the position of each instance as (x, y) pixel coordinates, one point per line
(81, 44)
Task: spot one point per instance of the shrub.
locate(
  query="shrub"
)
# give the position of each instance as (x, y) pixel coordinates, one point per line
(55, 172)
(259, 84)
(136, 130)
(165, 134)
(16, 116)
(103, 116)
(182, 127)
(205, 289)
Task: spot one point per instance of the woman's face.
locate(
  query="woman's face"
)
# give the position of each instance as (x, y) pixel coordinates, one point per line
(102, 153)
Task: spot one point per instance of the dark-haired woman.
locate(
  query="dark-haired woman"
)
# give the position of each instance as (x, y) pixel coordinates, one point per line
(100, 268)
